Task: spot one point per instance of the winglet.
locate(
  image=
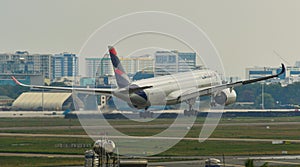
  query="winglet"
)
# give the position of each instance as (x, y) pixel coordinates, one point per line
(282, 69)
(265, 78)
(15, 80)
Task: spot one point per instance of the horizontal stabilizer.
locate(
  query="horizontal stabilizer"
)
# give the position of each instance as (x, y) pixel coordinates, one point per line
(134, 88)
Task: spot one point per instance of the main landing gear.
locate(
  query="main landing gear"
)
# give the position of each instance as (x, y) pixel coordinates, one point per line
(146, 114)
(191, 111)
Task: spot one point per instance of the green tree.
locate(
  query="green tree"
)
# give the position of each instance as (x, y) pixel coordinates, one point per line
(12, 91)
(59, 84)
(246, 96)
(250, 163)
(269, 101)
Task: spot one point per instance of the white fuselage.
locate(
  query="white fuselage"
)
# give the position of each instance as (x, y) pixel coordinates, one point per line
(165, 87)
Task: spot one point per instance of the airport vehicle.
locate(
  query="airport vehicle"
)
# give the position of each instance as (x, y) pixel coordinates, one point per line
(212, 162)
(165, 90)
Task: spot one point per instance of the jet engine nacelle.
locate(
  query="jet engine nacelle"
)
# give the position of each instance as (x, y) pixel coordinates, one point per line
(225, 97)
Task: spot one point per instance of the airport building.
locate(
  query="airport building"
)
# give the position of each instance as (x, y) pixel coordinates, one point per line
(142, 75)
(168, 62)
(292, 73)
(64, 65)
(46, 101)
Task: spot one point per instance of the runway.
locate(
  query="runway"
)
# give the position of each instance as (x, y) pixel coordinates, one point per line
(146, 126)
(45, 114)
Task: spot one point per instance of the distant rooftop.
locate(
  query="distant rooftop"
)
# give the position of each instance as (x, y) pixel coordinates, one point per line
(297, 64)
(5, 98)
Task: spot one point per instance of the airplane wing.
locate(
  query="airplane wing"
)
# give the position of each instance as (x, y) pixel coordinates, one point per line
(194, 93)
(84, 90)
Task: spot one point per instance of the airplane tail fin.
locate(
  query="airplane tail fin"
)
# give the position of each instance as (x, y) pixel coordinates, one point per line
(120, 74)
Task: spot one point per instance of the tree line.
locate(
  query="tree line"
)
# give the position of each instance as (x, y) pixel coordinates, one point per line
(275, 96)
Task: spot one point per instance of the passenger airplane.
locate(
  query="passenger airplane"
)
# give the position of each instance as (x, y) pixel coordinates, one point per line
(165, 90)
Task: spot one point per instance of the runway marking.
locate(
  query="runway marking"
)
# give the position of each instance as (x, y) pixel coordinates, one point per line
(41, 155)
(161, 164)
(234, 165)
(285, 157)
(186, 162)
(283, 162)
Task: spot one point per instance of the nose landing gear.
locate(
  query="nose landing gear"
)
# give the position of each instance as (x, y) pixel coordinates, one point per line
(146, 114)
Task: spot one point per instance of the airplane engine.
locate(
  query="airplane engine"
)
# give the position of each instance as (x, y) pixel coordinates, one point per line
(138, 100)
(225, 97)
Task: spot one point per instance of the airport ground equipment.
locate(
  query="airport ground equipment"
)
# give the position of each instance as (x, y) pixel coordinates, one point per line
(212, 162)
(103, 155)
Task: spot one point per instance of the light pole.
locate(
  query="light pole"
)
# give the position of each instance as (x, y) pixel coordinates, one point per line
(43, 76)
(262, 97)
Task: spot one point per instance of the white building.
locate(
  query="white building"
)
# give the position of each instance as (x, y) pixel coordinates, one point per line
(96, 67)
(22, 62)
(168, 62)
(92, 64)
(133, 65)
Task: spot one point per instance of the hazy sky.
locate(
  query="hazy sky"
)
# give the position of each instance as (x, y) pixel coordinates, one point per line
(246, 33)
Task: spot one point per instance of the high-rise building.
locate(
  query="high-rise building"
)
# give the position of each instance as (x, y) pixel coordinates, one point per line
(64, 65)
(92, 64)
(104, 65)
(105, 68)
(133, 65)
(96, 67)
(169, 62)
(297, 64)
(22, 62)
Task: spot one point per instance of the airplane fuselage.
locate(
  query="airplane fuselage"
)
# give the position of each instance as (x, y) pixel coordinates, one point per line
(165, 88)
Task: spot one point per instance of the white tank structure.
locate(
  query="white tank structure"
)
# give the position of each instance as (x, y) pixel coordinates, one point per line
(104, 147)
